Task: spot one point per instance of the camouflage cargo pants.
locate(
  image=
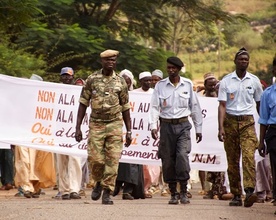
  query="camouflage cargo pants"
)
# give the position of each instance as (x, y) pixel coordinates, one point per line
(105, 144)
(240, 139)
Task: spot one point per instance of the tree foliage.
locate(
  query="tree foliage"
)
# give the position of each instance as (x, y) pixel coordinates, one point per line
(74, 32)
(19, 63)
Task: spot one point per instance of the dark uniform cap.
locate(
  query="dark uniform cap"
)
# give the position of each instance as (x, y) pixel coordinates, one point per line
(175, 61)
(241, 51)
(109, 53)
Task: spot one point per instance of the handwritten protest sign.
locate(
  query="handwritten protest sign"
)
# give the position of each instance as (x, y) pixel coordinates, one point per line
(42, 115)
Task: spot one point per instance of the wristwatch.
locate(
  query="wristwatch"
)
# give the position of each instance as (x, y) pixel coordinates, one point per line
(129, 132)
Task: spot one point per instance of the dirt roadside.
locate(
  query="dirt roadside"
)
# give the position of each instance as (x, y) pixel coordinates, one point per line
(150, 209)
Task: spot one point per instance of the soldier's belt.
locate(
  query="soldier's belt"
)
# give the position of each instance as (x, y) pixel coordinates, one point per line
(174, 120)
(239, 117)
(272, 125)
(105, 117)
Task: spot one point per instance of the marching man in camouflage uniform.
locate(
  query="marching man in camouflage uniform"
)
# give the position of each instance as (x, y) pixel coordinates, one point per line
(107, 94)
(237, 92)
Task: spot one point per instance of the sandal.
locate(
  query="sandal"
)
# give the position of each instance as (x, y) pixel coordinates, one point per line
(202, 192)
(148, 195)
(189, 195)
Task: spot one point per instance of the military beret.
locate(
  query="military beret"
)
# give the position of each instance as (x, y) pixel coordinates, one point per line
(109, 53)
(67, 70)
(175, 61)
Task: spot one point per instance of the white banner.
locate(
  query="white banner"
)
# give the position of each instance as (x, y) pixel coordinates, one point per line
(43, 115)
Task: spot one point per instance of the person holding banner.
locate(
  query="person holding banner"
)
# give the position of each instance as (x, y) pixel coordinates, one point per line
(173, 101)
(130, 176)
(156, 76)
(151, 172)
(34, 169)
(6, 168)
(237, 92)
(216, 179)
(69, 167)
(107, 94)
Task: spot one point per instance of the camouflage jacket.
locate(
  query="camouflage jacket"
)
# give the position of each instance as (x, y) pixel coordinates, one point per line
(107, 95)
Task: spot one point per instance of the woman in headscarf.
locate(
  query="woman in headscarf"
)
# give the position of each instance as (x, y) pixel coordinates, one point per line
(130, 176)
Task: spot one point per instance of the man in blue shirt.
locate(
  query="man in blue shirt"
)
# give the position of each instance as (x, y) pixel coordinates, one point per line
(267, 123)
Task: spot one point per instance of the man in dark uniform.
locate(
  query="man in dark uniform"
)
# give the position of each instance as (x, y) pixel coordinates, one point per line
(173, 101)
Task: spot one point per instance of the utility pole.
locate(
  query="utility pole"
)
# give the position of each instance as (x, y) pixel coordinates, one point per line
(218, 25)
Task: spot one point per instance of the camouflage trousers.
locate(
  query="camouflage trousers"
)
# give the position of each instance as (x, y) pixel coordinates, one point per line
(240, 140)
(105, 144)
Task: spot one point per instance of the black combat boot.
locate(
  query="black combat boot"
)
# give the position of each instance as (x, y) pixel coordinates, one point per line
(97, 191)
(183, 193)
(250, 197)
(174, 194)
(236, 201)
(106, 200)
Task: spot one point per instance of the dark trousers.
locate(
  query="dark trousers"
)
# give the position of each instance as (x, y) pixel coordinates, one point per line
(271, 147)
(174, 147)
(6, 166)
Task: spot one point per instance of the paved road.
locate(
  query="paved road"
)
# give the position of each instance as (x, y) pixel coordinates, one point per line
(148, 209)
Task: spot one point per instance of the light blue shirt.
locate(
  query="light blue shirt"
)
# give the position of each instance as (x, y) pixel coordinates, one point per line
(239, 94)
(172, 102)
(268, 106)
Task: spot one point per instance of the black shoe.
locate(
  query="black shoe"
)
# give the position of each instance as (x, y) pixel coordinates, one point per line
(97, 191)
(74, 195)
(28, 194)
(174, 199)
(236, 201)
(36, 194)
(250, 199)
(184, 198)
(127, 196)
(177, 195)
(65, 197)
(209, 195)
(106, 200)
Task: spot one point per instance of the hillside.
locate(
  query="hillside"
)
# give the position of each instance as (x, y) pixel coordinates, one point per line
(261, 15)
(248, 7)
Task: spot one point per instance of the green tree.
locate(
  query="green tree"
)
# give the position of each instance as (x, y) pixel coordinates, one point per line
(15, 14)
(73, 32)
(19, 63)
